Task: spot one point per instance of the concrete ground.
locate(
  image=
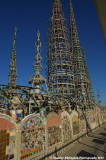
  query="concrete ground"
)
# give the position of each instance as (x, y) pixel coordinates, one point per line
(93, 145)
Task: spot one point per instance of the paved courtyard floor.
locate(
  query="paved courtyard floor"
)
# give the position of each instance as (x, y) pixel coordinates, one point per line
(92, 146)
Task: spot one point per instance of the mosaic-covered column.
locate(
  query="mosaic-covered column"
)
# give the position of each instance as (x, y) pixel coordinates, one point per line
(66, 126)
(46, 138)
(17, 143)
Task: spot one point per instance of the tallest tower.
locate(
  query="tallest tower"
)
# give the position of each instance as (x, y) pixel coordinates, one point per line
(59, 61)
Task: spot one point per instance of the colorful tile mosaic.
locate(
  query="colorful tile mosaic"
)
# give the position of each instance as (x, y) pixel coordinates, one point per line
(43, 114)
(16, 115)
(32, 138)
(7, 144)
(54, 135)
(52, 114)
(75, 128)
(66, 128)
(88, 117)
(82, 126)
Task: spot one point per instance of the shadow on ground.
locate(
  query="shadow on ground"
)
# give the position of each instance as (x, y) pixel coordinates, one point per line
(91, 146)
(103, 134)
(85, 154)
(98, 141)
(91, 135)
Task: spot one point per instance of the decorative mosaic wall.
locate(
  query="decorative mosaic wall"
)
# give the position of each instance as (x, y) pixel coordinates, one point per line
(93, 117)
(96, 118)
(66, 128)
(75, 128)
(32, 138)
(75, 124)
(7, 144)
(33, 132)
(100, 118)
(82, 126)
(104, 116)
(54, 135)
(88, 117)
(43, 114)
(92, 120)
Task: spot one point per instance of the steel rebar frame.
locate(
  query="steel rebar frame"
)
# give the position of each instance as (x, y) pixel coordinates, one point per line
(59, 61)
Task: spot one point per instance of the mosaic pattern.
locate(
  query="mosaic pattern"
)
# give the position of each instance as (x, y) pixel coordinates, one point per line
(75, 128)
(66, 128)
(43, 114)
(93, 117)
(16, 115)
(100, 114)
(7, 144)
(88, 117)
(33, 137)
(102, 117)
(54, 135)
(52, 114)
(96, 119)
(92, 121)
(82, 126)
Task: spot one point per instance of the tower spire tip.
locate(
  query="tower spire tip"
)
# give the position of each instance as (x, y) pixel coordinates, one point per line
(38, 36)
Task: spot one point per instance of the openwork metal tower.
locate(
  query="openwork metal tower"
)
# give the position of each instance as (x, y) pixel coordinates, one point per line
(78, 64)
(88, 86)
(59, 61)
(12, 68)
(83, 86)
(99, 100)
(36, 80)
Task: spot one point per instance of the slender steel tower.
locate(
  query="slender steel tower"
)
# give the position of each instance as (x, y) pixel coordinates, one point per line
(59, 61)
(88, 85)
(83, 86)
(79, 73)
(36, 80)
(12, 76)
(99, 100)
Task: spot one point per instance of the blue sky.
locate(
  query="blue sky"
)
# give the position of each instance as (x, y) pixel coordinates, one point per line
(32, 15)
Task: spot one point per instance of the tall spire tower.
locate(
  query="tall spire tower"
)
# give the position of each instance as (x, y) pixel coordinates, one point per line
(77, 60)
(88, 86)
(12, 68)
(36, 80)
(99, 100)
(59, 63)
